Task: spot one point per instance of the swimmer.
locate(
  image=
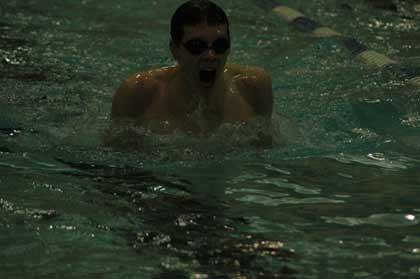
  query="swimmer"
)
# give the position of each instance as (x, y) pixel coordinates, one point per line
(201, 91)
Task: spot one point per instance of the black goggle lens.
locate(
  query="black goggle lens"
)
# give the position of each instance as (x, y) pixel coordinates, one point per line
(197, 46)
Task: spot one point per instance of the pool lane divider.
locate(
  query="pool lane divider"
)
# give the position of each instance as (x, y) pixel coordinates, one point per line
(357, 49)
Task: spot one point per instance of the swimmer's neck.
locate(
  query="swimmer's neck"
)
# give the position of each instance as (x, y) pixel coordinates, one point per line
(195, 89)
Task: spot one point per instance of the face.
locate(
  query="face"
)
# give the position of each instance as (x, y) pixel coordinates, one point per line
(202, 53)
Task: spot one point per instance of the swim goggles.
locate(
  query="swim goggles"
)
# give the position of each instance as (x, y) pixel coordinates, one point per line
(198, 46)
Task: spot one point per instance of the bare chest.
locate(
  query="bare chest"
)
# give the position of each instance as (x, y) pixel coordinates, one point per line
(173, 110)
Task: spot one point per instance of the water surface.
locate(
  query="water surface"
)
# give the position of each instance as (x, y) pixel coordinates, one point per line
(335, 196)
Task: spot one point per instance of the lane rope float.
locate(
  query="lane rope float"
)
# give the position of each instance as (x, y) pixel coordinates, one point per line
(358, 49)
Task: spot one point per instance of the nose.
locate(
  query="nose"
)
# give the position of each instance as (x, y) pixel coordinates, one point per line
(210, 53)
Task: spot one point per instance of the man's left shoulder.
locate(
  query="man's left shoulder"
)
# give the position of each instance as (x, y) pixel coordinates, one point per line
(255, 86)
(251, 78)
(257, 73)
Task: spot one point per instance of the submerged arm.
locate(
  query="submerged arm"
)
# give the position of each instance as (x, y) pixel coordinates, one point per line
(133, 98)
(258, 91)
(129, 105)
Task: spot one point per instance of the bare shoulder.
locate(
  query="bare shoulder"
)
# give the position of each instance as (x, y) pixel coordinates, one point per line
(137, 93)
(255, 86)
(257, 74)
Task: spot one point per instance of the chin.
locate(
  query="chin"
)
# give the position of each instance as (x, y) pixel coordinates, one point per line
(207, 85)
(207, 78)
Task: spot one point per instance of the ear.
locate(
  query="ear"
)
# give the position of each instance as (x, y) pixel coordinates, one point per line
(174, 50)
(228, 52)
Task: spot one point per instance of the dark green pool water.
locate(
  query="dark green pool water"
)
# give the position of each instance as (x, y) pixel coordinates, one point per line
(337, 195)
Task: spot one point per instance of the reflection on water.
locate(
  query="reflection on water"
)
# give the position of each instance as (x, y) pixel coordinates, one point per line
(198, 234)
(391, 220)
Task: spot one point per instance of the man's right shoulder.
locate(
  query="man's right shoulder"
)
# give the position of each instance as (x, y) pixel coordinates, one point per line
(136, 94)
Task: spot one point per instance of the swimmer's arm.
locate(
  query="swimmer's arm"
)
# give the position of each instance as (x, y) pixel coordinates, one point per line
(259, 92)
(264, 104)
(132, 99)
(129, 104)
(261, 99)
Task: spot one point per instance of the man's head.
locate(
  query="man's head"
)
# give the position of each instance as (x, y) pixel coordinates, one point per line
(193, 13)
(200, 41)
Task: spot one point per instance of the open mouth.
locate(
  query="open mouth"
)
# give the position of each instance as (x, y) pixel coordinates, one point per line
(207, 75)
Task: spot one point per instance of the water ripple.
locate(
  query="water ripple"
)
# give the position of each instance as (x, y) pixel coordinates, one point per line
(267, 201)
(283, 183)
(375, 159)
(382, 220)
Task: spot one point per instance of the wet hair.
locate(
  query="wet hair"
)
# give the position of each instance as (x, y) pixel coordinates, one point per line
(195, 12)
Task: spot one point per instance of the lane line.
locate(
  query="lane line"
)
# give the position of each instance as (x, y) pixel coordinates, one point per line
(359, 50)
